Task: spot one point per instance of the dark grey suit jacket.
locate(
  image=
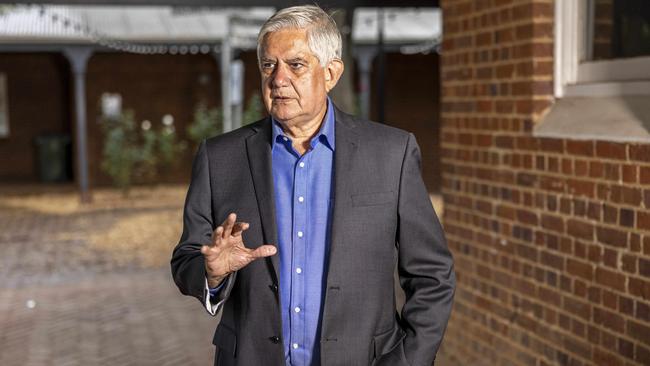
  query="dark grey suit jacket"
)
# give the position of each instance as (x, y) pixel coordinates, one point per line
(382, 216)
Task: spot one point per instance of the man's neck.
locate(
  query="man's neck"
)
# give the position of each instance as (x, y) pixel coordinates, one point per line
(302, 132)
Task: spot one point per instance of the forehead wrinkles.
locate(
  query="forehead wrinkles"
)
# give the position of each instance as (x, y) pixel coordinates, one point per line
(285, 42)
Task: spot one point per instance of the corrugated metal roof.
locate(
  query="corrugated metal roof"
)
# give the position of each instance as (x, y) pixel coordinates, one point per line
(75, 24)
(133, 23)
(400, 25)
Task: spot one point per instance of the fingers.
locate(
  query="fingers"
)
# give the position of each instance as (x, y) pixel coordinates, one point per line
(217, 234)
(228, 225)
(263, 251)
(239, 228)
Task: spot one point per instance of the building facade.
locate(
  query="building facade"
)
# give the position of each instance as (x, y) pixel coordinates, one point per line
(549, 226)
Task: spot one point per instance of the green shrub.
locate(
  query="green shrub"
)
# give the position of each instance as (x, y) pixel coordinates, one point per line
(137, 153)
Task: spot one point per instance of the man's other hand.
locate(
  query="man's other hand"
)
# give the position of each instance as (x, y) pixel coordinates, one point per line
(227, 253)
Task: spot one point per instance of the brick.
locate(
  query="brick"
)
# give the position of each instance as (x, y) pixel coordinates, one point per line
(553, 223)
(629, 263)
(626, 305)
(580, 269)
(625, 348)
(583, 148)
(610, 214)
(642, 355)
(551, 145)
(628, 195)
(610, 258)
(638, 331)
(581, 309)
(611, 150)
(581, 168)
(581, 187)
(613, 237)
(610, 279)
(642, 311)
(580, 229)
(552, 260)
(610, 300)
(640, 153)
(626, 217)
(527, 217)
(612, 172)
(609, 319)
(639, 287)
(644, 267)
(643, 220)
(629, 173)
(596, 169)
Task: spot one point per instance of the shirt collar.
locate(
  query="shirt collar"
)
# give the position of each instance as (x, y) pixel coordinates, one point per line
(325, 133)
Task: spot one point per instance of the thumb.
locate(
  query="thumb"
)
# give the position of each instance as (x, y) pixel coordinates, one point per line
(264, 251)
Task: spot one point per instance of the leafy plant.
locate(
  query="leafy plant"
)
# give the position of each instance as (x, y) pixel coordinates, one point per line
(207, 122)
(137, 153)
(254, 109)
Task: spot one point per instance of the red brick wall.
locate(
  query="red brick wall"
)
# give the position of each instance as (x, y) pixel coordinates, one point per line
(551, 237)
(40, 91)
(38, 96)
(154, 85)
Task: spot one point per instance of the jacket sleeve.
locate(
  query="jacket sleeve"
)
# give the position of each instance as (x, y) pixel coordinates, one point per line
(425, 265)
(187, 263)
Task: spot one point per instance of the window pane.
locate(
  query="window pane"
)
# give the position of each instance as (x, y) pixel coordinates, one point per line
(621, 29)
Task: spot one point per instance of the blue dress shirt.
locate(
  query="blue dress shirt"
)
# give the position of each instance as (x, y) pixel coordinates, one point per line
(302, 186)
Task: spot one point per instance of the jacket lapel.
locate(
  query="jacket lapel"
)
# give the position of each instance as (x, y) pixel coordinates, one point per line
(258, 147)
(347, 141)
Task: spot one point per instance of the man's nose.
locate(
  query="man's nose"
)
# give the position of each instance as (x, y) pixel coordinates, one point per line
(280, 76)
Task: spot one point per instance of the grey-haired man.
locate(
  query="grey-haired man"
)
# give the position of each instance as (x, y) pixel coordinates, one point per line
(294, 225)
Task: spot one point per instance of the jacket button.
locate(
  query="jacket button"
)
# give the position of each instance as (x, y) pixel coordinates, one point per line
(274, 287)
(275, 339)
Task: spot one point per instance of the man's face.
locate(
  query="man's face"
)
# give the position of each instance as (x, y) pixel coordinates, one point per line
(294, 85)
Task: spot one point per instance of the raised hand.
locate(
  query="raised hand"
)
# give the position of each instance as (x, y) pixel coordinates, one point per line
(227, 253)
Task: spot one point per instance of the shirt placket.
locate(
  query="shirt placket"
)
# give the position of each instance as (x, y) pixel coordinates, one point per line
(300, 240)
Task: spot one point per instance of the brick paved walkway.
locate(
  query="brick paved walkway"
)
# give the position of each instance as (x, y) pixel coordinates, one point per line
(67, 301)
(131, 318)
(90, 285)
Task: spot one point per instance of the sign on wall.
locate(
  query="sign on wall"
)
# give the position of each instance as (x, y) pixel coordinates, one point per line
(4, 107)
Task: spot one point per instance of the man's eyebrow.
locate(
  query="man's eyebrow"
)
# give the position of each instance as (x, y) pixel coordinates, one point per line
(296, 59)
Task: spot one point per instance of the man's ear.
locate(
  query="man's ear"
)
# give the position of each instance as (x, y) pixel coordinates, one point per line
(333, 72)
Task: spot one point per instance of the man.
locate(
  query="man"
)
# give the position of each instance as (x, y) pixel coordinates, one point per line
(314, 209)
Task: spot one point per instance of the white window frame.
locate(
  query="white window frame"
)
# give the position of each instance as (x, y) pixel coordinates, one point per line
(630, 76)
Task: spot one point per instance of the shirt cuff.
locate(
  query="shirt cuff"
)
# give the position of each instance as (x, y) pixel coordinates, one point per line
(211, 296)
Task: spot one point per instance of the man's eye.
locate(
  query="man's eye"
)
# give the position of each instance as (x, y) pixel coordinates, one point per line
(267, 65)
(296, 65)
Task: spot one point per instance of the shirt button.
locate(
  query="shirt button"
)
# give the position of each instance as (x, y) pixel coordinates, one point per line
(298, 270)
(285, 138)
(301, 198)
(300, 234)
(297, 309)
(302, 164)
(295, 345)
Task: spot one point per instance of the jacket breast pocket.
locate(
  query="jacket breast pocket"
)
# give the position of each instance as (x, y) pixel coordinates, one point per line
(226, 340)
(373, 199)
